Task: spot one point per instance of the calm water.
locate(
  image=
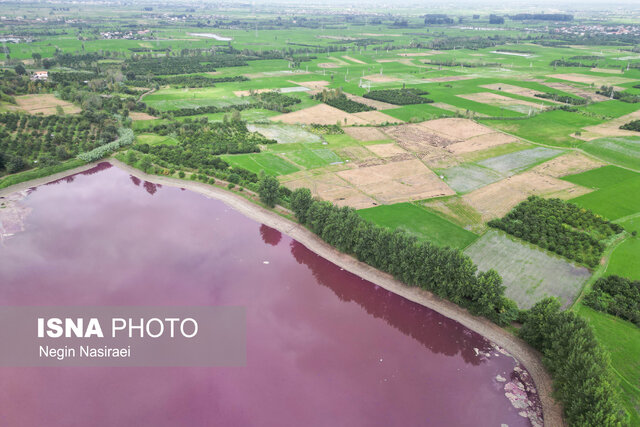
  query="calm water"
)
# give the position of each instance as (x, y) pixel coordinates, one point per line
(324, 347)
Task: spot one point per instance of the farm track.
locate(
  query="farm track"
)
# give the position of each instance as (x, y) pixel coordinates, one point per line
(526, 355)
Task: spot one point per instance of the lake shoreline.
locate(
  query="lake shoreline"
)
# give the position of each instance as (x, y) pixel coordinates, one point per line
(526, 355)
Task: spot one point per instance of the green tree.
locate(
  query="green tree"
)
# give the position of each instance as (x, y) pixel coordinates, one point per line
(269, 189)
(301, 200)
(145, 163)
(20, 70)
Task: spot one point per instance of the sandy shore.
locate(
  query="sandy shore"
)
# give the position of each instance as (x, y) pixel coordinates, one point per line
(526, 355)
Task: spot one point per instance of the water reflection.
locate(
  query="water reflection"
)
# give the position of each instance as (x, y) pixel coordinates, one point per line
(269, 235)
(428, 327)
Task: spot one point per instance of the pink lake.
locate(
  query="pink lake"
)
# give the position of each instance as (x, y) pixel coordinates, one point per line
(324, 347)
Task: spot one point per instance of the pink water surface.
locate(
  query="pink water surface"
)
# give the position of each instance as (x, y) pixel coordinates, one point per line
(324, 347)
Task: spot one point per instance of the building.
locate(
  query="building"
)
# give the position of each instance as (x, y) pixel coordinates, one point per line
(40, 75)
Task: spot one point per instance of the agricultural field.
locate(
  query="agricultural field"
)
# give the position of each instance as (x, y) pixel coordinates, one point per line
(616, 191)
(461, 120)
(528, 272)
(421, 223)
(621, 151)
(267, 162)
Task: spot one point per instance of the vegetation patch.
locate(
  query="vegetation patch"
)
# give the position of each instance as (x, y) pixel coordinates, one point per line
(560, 227)
(616, 295)
(337, 99)
(634, 126)
(406, 96)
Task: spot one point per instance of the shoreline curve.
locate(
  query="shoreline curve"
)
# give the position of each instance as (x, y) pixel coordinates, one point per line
(525, 354)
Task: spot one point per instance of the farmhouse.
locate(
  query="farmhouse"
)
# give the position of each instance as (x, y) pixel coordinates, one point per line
(40, 75)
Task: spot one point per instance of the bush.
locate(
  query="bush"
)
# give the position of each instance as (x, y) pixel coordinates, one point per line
(181, 174)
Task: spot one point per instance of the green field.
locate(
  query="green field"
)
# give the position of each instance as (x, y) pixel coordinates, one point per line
(311, 158)
(550, 128)
(623, 151)
(153, 139)
(267, 162)
(622, 340)
(528, 272)
(421, 223)
(616, 195)
(625, 259)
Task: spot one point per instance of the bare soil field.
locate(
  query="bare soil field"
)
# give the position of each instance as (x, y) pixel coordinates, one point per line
(397, 182)
(447, 78)
(455, 109)
(419, 54)
(587, 79)
(331, 187)
(44, 104)
(380, 78)
(499, 100)
(240, 93)
(416, 138)
(610, 128)
(387, 150)
(481, 142)
(457, 128)
(273, 73)
(321, 114)
(355, 154)
(607, 70)
(495, 200)
(378, 105)
(136, 115)
(357, 61)
(376, 117)
(583, 93)
(314, 85)
(329, 65)
(365, 133)
(380, 35)
(516, 90)
(567, 164)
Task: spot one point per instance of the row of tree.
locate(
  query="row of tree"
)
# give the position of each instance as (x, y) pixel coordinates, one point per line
(446, 272)
(582, 377)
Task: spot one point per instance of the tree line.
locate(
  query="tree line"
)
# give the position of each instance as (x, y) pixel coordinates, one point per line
(446, 272)
(582, 377)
